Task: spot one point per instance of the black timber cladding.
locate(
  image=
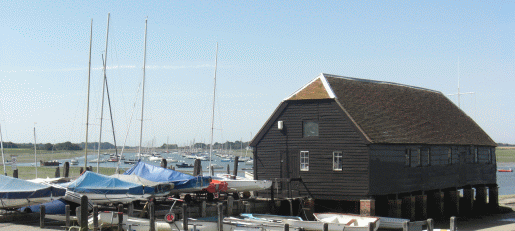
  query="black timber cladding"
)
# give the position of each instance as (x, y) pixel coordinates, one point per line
(373, 124)
(277, 152)
(391, 174)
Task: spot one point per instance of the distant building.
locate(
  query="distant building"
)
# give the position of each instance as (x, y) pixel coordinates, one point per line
(341, 138)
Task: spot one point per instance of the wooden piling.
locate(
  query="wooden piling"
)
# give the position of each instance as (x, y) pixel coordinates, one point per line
(480, 203)
(120, 221)
(67, 214)
(286, 227)
(42, 212)
(163, 163)
(57, 172)
(236, 158)
(152, 219)
(204, 208)
(95, 217)
(326, 227)
(220, 217)
(493, 197)
(468, 200)
(15, 173)
(66, 169)
(77, 214)
(120, 208)
(453, 224)
(228, 169)
(84, 212)
(230, 205)
(130, 210)
(184, 217)
(197, 167)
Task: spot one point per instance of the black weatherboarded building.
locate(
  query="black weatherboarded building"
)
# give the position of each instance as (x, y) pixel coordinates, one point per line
(380, 143)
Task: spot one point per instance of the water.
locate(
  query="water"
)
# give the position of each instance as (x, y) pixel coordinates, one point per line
(242, 167)
(506, 180)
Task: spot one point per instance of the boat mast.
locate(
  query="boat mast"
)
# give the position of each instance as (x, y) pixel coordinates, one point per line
(143, 92)
(2, 148)
(35, 157)
(103, 90)
(87, 107)
(167, 143)
(213, 116)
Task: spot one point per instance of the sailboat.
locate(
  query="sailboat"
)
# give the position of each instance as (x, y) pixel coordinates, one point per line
(182, 182)
(16, 193)
(101, 189)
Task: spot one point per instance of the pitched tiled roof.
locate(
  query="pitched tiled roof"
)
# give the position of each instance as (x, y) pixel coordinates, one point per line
(394, 113)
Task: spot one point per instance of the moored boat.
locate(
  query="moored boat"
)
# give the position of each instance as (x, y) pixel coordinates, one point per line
(350, 220)
(505, 170)
(102, 189)
(16, 193)
(49, 163)
(241, 184)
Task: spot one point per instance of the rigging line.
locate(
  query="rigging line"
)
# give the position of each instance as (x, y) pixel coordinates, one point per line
(112, 121)
(128, 128)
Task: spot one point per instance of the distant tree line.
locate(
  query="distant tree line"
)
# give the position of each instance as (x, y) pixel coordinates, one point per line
(505, 145)
(227, 145)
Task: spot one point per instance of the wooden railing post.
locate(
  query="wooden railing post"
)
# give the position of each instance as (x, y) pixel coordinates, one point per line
(67, 214)
(95, 217)
(84, 212)
(152, 219)
(220, 217)
(120, 221)
(42, 212)
(184, 217)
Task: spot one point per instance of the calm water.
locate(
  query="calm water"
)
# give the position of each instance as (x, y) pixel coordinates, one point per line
(506, 180)
(242, 167)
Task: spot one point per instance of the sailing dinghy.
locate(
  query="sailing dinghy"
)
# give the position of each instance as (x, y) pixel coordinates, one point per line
(16, 193)
(160, 189)
(101, 189)
(182, 182)
(241, 184)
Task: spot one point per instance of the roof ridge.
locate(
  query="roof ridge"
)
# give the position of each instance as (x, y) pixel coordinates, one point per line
(379, 82)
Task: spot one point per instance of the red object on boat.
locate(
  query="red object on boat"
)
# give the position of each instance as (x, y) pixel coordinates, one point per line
(216, 186)
(504, 170)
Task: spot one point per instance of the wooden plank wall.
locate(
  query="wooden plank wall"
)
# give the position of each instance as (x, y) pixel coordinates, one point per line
(390, 175)
(336, 133)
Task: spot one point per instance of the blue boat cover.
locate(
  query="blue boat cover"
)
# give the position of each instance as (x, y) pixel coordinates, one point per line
(159, 174)
(52, 207)
(14, 188)
(91, 182)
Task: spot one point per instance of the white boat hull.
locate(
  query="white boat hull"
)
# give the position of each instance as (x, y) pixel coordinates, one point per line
(17, 203)
(110, 219)
(114, 198)
(241, 184)
(349, 220)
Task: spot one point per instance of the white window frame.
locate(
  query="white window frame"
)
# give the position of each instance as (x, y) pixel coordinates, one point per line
(304, 161)
(337, 161)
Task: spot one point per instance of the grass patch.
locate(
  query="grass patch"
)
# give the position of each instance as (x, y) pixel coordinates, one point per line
(27, 173)
(505, 155)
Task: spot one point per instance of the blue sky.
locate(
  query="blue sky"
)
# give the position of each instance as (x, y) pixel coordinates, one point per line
(267, 50)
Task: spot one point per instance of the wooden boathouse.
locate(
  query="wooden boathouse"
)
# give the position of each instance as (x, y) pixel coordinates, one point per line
(392, 149)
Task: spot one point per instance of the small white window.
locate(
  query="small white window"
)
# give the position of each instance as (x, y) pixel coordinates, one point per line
(304, 160)
(337, 161)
